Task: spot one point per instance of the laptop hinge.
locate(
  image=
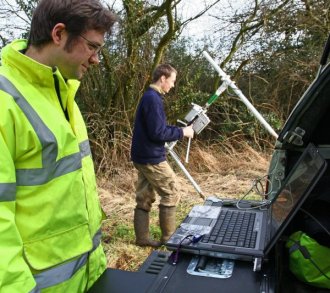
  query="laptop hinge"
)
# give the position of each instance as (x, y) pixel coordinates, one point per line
(295, 137)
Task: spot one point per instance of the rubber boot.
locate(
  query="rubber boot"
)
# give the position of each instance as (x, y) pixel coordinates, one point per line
(141, 228)
(167, 222)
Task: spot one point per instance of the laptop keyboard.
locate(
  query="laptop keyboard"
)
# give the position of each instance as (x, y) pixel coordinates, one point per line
(233, 228)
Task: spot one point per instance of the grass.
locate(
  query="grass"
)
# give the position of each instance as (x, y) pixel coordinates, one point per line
(119, 239)
(220, 171)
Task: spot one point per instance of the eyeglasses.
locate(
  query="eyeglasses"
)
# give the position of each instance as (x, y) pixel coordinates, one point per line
(96, 48)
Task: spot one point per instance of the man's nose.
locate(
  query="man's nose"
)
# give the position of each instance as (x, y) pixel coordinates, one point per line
(94, 59)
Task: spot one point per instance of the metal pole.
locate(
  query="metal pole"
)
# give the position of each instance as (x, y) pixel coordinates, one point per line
(177, 160)
(229, 82)
(188, 150)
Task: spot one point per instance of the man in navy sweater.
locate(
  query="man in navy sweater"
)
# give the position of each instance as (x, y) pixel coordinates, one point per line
(148, 153)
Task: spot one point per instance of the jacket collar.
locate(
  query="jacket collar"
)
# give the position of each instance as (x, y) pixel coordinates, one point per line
(157, 89)
(36, 73)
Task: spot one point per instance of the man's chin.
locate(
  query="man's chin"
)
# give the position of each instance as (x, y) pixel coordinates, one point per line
(77, 76)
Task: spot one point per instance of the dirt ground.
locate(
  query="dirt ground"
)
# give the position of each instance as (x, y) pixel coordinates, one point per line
(220, 175)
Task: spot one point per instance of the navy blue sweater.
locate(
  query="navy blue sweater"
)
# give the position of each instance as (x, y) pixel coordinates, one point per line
(151, 130)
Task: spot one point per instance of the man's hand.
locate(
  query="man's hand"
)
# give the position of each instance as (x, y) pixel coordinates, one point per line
(188, 131)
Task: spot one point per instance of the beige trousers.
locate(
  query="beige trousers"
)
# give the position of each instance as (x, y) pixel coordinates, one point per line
(153, 179)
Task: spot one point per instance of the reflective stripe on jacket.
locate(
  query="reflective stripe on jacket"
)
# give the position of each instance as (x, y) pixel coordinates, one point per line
(50, 215)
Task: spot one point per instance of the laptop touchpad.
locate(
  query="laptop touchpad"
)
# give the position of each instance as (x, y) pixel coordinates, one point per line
(201, 221)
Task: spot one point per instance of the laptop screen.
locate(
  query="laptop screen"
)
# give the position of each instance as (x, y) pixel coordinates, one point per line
(300, 180)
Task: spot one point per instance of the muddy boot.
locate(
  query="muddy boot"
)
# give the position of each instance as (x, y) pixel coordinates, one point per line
(141, 228)
(167, 222)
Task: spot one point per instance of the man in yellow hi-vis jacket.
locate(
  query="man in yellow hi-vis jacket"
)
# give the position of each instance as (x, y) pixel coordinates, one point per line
(50, 215)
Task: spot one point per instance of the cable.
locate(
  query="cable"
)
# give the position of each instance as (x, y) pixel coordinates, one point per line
(174, 257)
(258, 188)
(318, 268)
(316, 220)
(305, 253)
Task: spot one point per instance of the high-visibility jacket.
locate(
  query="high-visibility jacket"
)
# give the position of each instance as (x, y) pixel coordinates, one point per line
(50, 215)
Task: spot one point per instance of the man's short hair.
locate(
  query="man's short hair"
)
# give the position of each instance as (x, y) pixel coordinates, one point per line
(77, 15)
(162, 69)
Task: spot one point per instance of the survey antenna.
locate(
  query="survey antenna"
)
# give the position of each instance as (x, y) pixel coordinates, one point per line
(198, 118)
(228, 82)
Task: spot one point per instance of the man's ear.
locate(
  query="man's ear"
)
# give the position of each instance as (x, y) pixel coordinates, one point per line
(58, 33)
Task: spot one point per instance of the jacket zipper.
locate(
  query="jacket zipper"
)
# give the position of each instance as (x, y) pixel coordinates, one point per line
(57, 89)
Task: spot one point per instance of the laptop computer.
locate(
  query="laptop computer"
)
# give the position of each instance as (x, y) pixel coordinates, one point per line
(194, 234)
